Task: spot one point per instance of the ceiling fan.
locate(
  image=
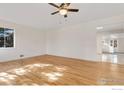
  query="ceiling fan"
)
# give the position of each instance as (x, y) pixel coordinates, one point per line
(63, 9)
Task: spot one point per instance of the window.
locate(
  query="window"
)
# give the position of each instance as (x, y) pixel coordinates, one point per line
(6, 37)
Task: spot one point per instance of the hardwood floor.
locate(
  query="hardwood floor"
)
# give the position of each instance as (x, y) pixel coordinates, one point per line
(53, 70)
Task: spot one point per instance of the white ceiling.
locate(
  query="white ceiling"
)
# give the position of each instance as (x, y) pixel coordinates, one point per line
(38, 14)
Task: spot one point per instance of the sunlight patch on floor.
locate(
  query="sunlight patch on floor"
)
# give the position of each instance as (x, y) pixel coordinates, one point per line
(20, 71)
(53, 76)
(7, 76)
(60, 68)
(37, 65)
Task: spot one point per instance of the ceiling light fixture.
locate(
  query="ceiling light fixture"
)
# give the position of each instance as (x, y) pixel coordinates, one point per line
(99, 28)
(63, 11)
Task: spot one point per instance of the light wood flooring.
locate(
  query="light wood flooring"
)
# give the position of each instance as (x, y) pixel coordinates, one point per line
(54, 70)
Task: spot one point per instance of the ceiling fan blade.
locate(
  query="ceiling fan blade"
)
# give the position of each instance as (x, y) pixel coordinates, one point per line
(73, 10)
(68, 4)
(65, 16)
(54, 5)
(54, 12)
(62, 4)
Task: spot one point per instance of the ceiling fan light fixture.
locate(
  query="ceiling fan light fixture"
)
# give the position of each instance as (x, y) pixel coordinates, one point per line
(63, 11)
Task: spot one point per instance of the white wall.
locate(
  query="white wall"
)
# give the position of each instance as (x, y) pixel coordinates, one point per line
(78, 41)
(28, 41)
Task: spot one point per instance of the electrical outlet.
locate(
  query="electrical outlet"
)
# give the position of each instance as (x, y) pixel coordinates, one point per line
(21, 55)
